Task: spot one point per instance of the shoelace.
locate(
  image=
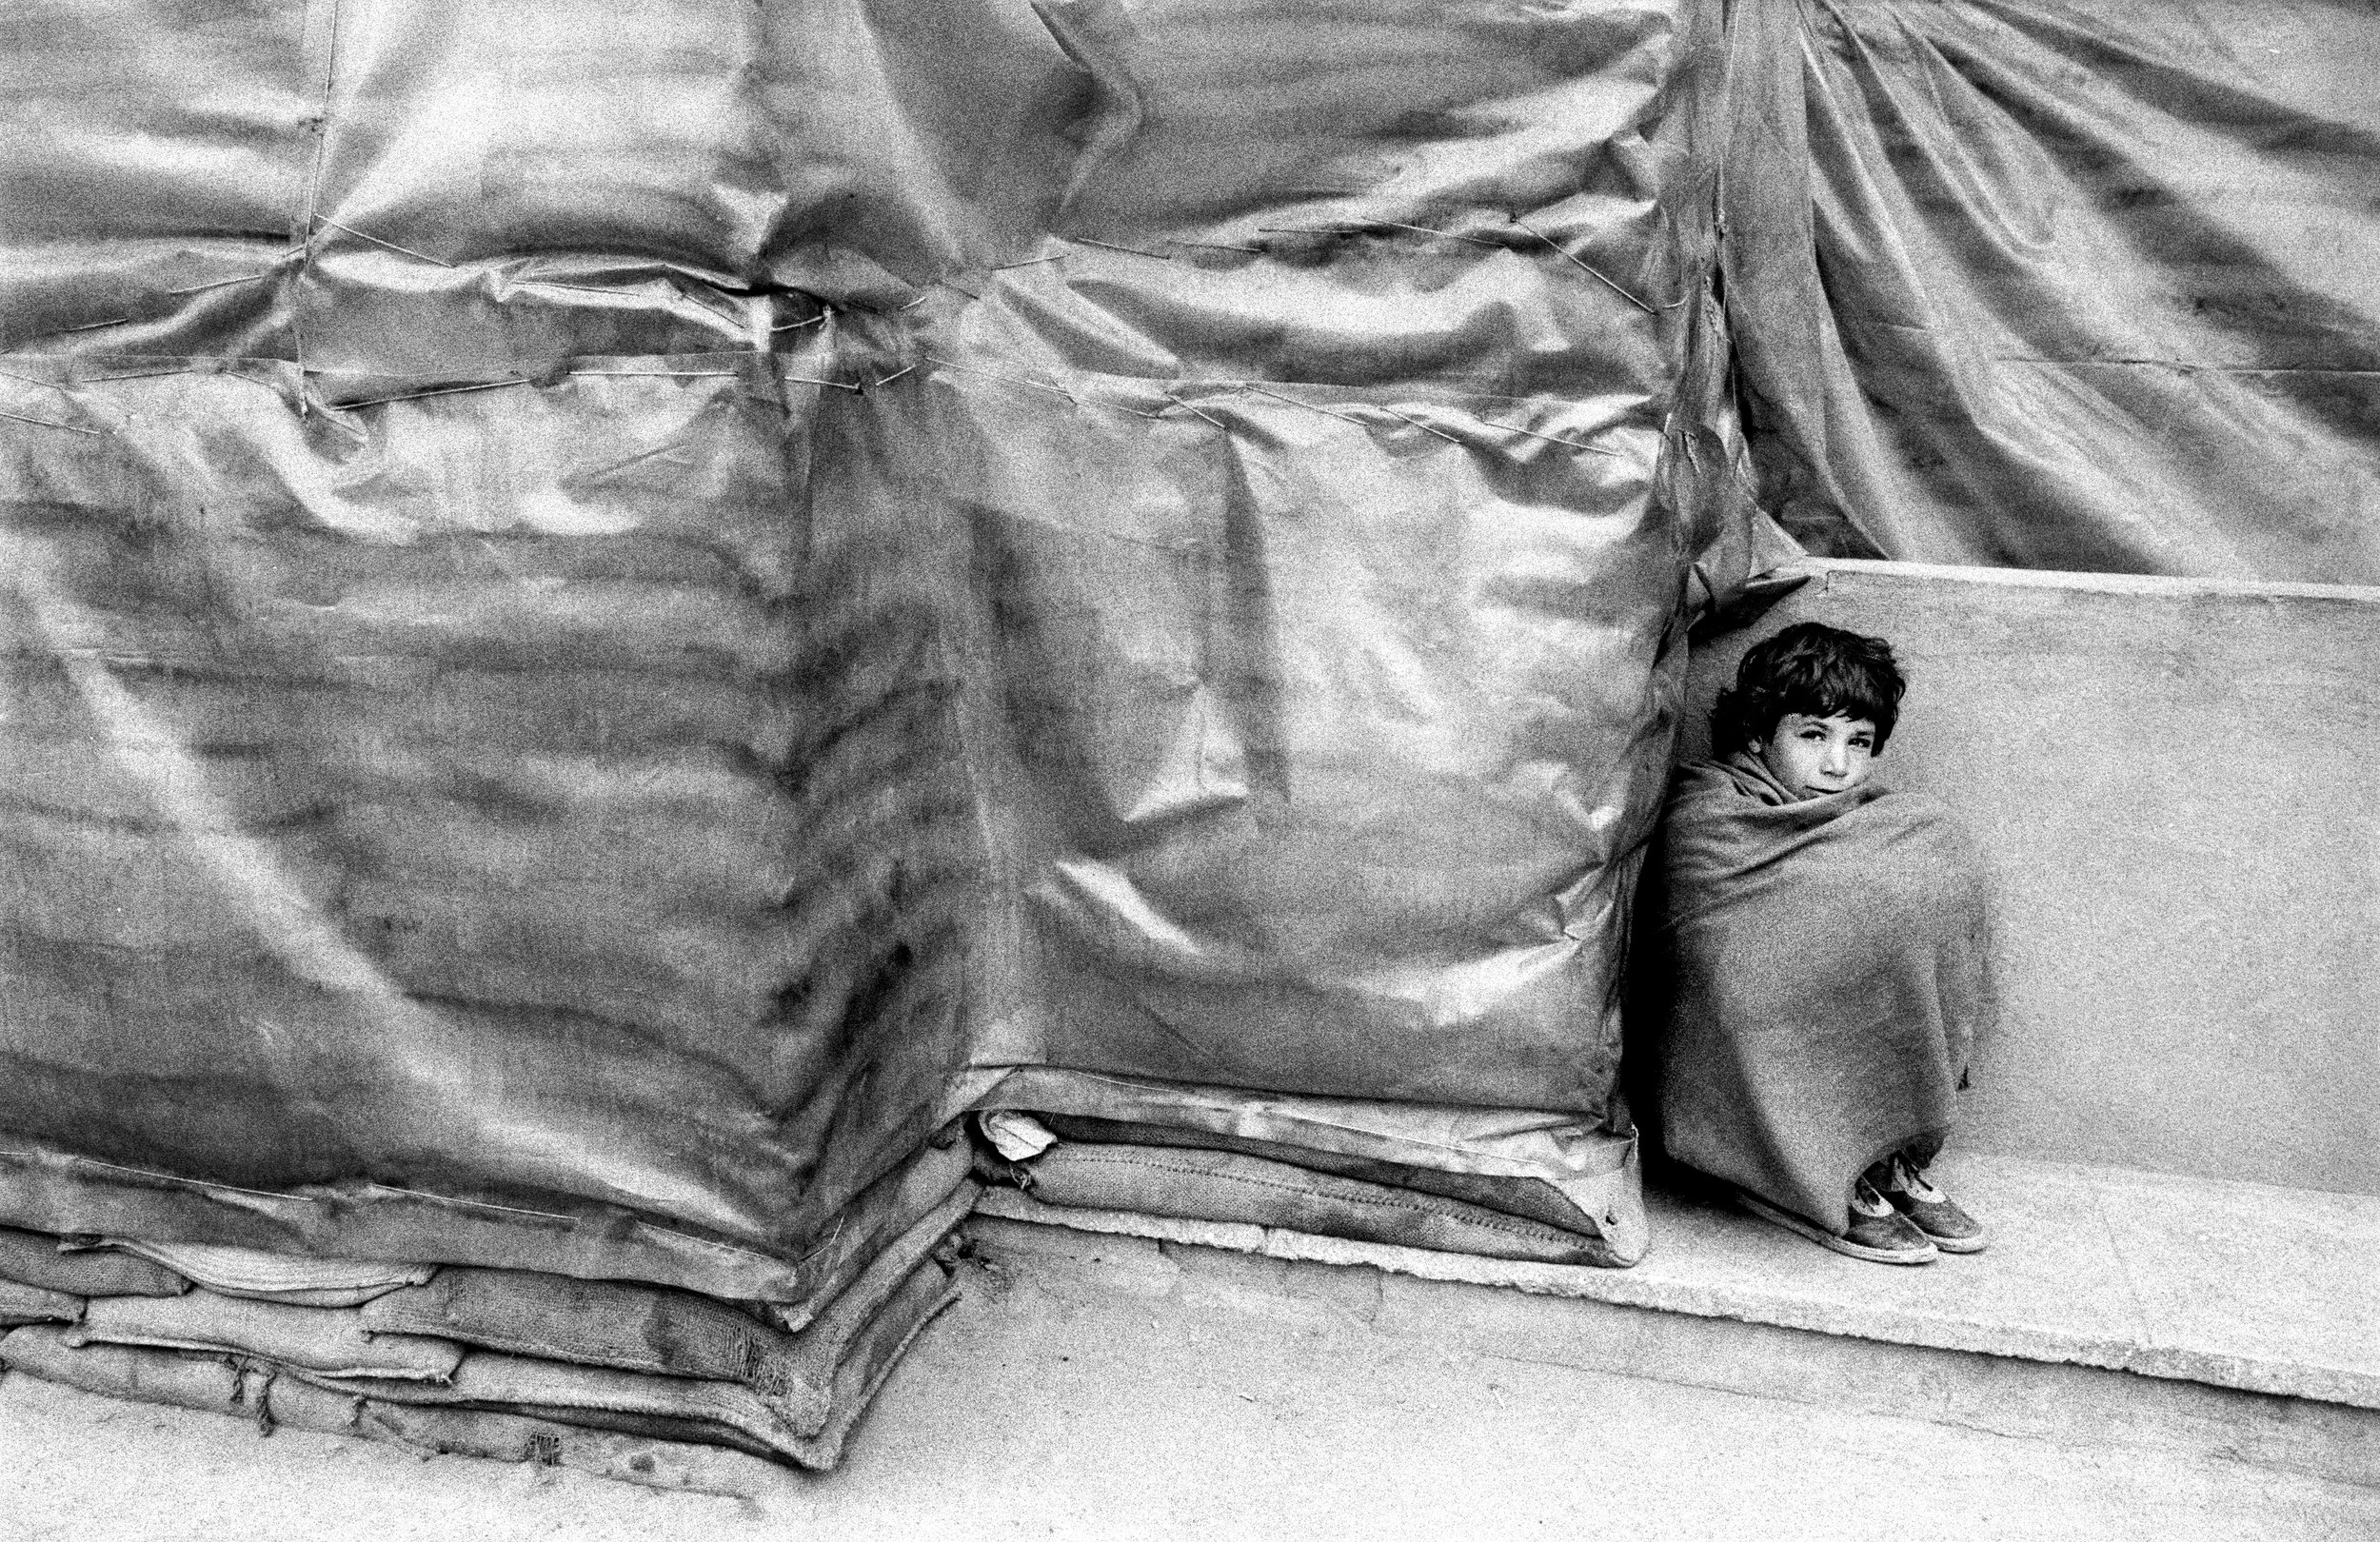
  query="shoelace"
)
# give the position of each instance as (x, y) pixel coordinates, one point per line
(1911, 1182)
(1865, 1199)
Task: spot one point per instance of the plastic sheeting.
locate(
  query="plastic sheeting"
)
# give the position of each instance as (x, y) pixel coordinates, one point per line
(2081, 285)
(615, 612)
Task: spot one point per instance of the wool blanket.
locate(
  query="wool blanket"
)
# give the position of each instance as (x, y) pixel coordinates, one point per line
(1821, 968)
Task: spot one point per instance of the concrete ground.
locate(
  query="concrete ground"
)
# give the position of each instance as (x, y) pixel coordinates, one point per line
(1097, 1390)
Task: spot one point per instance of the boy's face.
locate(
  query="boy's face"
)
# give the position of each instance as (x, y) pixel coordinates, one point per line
(1813, 757)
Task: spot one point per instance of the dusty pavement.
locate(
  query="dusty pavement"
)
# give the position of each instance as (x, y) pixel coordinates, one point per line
(1105, 1399)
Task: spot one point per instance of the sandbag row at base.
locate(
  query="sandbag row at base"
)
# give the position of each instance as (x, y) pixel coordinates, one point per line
(504, 1363)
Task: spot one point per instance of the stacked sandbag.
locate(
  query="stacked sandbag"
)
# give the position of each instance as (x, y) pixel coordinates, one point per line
(1493, 1185)
(601, 1374)
(451, 876)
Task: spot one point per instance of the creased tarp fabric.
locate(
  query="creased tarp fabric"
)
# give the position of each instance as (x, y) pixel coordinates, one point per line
(612, 615)
(1313, 514)
(2082, 286)
(395, 787)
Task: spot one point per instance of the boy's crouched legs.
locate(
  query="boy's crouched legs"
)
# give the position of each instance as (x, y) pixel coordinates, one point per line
(1929, 1209)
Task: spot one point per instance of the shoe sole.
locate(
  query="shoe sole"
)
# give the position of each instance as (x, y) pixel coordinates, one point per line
(1956, 1244)
(1828, 1240)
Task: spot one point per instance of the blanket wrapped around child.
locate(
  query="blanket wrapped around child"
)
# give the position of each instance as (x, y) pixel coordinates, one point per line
(1824, 963)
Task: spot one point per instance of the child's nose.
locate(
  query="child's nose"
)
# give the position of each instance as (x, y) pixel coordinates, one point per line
(1836, 760)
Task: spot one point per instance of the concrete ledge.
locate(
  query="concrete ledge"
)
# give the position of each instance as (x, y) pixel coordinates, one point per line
(2232, 1285)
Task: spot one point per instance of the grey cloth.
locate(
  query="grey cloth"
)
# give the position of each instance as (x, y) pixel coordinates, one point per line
(1822, 968)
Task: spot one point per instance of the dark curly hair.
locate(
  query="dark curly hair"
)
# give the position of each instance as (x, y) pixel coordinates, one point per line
(1814, 670)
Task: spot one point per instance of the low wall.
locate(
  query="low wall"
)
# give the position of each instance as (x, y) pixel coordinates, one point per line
(2172, 780)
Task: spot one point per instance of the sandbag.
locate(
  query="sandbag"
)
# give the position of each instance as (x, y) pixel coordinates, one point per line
(30, 1303)
(1228, 1186)
(331, 1341)
(35, 1258)
(291, 1280)
(208, 1383)
(629, 1327)
(694, 1409)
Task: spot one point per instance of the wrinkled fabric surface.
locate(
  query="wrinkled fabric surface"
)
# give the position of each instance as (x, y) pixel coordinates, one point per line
(1824, 968)
(2062, 284)
(608, 617)
(605, 618)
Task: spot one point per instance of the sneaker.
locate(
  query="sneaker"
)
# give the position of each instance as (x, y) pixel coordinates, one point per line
(1878, 1233)
(1929, 1209)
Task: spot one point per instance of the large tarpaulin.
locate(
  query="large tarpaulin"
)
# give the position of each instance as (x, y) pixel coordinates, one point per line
(2062, 284)
(615, 611)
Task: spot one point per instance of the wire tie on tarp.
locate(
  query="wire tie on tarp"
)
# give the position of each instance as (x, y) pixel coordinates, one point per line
(1554, 439)
(1111, 247)
(1219, 245)
(376, 241)
(221, 283)
(1365, 227)
(1582, 263)
(1187, 407)
(889, 378)
(443, 391)
(795, 326)
(46, 422)
(1029, 261)
(1423, 427)
(33, 380)
(813, 379)
(1014, 380)
(948, 284)
(707, 308)
(93, 326)
(1277, 396)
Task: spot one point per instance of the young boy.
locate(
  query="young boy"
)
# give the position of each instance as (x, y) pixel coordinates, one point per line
(1822, 944)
